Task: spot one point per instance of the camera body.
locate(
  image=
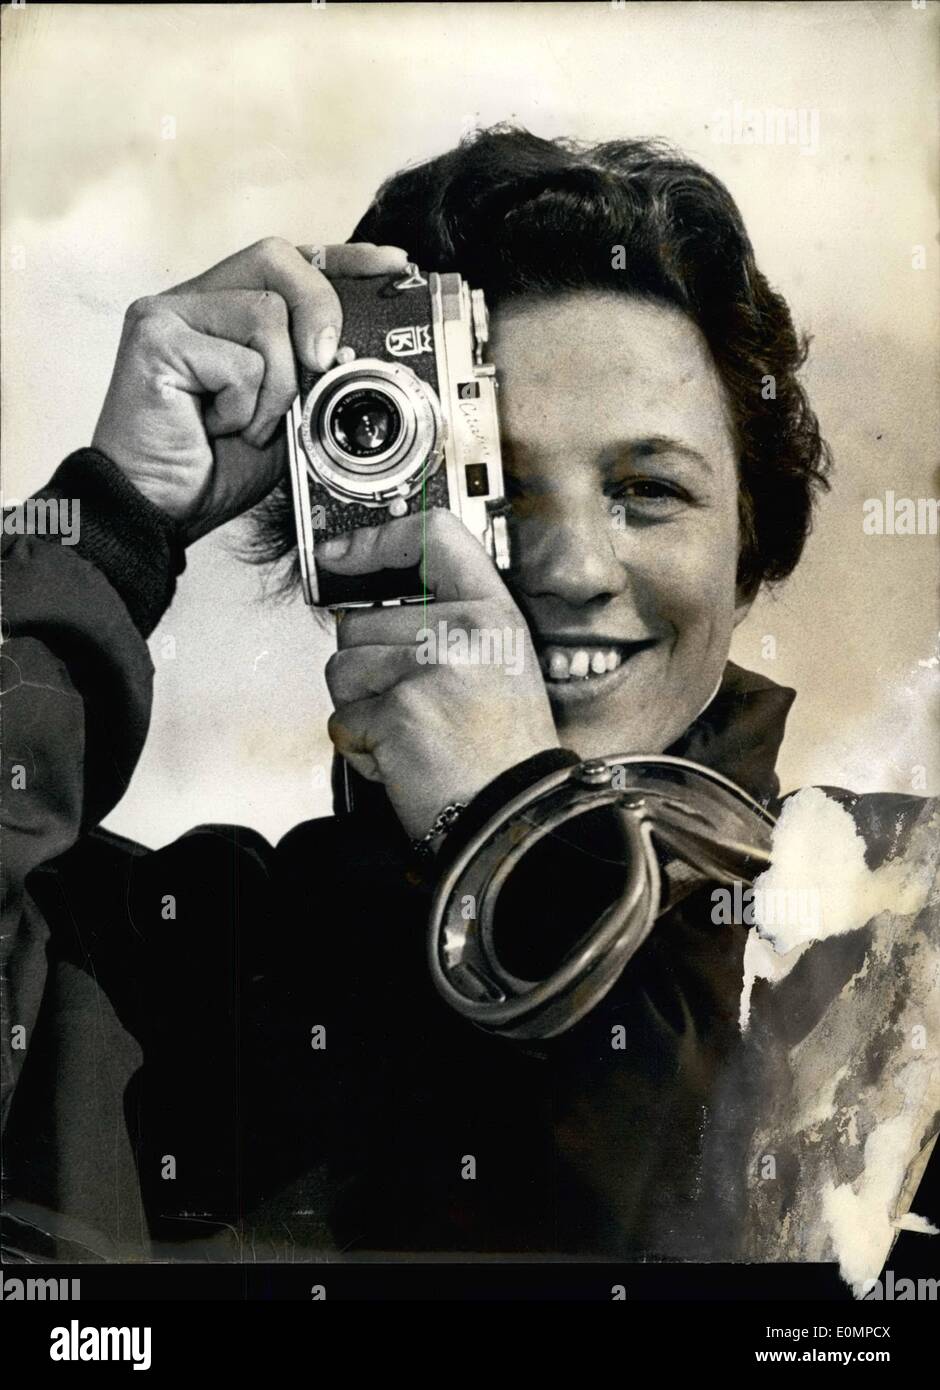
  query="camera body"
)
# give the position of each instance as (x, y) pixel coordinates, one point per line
(409, 423)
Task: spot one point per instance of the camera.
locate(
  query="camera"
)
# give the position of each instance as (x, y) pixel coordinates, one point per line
(409, 423)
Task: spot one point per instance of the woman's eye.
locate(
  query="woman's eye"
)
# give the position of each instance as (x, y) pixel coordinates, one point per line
(648, 494)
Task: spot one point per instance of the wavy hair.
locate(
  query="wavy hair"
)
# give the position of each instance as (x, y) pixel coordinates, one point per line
(520, 215)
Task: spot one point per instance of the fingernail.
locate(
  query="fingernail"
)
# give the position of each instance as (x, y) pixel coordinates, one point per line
(326, 347)
(335, 548)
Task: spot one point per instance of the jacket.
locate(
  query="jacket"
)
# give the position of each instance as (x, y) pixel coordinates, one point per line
(227, 1049)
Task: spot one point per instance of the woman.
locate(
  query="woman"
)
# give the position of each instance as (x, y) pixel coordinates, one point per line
(661, 461)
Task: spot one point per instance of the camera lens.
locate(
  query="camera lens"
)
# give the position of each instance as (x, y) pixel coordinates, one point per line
(372, 431)
(365, 423)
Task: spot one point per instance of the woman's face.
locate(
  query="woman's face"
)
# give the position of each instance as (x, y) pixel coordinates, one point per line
(621, 468)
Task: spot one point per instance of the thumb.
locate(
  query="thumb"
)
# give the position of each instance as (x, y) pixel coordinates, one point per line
(454, 565)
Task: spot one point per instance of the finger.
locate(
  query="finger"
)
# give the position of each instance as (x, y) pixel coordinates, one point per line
(349, 728)
(348, 731)
(233, 374)
(360, 672)
(316, 315)
(228, 371)
(259, 470)
(408, 625)
(256, 319)
(365, 765)
(356, 259)
(454, 564)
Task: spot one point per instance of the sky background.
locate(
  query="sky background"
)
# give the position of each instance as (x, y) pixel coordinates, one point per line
(287, 117)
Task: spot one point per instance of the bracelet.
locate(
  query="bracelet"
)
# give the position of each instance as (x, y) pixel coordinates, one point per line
(442, 823)
(679, 821)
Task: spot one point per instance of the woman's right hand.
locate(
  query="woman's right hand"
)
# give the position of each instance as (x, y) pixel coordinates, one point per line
(205, 373)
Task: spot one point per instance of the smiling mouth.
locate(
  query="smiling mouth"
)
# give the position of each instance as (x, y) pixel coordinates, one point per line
(586, 667)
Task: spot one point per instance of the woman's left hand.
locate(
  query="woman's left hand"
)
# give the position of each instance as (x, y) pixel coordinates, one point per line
(433, 702)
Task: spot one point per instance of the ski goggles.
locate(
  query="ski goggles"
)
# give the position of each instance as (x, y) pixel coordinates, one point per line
(681, 824)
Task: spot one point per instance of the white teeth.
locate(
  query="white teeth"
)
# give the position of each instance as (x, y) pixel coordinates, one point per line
(580, 663)
(558, 666)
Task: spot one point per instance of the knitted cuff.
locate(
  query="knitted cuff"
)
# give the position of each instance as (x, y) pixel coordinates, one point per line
(136, 546)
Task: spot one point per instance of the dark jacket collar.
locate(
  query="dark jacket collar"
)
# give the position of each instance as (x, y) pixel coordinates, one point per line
(740, 731)
(738, 734)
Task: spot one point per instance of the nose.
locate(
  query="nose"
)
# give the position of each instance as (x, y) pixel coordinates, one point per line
(569, 556)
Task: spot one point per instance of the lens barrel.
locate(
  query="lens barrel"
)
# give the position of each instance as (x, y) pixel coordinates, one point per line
(372, 431)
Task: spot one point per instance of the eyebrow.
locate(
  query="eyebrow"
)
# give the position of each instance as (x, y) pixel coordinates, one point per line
(642, 446)
(652, 445)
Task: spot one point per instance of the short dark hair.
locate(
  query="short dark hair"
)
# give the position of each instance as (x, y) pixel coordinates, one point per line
(520, 215)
